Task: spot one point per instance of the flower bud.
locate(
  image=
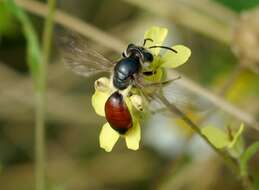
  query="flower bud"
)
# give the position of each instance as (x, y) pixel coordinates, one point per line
(137, 102)
(102, 84)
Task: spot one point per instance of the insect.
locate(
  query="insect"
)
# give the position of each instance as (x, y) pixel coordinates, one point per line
(128, 70)
(117, 113)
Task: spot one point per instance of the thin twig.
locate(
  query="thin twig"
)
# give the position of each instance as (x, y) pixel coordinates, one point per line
(41, 100)
(232, 163)
(174, 110)
(180, 14)
(230, 81)
(226, 157)
(216, 100)
(114, 44)
(74, 24)
(17, 92)
(212, 9)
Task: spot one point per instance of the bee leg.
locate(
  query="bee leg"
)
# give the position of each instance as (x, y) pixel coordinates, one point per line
(166, 82)
(149, 73)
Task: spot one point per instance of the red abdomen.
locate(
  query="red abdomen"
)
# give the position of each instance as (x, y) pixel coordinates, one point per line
(117, 113)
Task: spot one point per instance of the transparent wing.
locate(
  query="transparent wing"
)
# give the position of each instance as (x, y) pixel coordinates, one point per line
(77, 56)
(175, 94)
(182, 98)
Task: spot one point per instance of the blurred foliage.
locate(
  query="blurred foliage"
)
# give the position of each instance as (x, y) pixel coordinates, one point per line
(247, 155)
(8, 25)
(239, 5)
(34, 58)
(214, 67)
(75, 160)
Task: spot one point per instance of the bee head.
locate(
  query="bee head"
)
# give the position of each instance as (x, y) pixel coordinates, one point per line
(139, 53)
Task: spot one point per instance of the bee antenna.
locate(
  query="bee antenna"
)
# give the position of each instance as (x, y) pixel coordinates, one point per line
(147, 39)
(164, 47)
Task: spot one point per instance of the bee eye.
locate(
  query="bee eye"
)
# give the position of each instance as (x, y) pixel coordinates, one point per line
(135, 53)
(130, 48)
(148, 57)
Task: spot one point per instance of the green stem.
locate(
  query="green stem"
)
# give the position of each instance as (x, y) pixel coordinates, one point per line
(40, 143)
(172, 108)
(244, 159)
(41, 100)
(232, 163)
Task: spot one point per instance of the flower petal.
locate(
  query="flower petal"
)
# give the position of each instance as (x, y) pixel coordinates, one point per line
(132, 137)
(172, 60)
(158, 36)
(216, 136)
(98, 101)
(129, 105)
(108, 137)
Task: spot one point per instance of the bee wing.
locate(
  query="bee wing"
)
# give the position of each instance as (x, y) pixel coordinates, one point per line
(182, 98)
(80, 58)
(175, 94)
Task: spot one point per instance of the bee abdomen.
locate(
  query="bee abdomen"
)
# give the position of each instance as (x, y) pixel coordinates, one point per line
(117, 113)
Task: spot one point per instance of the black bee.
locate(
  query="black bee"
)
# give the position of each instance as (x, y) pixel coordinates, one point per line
(126, 71)
(85, 61)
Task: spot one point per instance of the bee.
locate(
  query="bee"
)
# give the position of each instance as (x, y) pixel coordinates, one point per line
(125, 72)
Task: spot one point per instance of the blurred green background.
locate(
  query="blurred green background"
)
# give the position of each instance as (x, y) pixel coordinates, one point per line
(224, 38)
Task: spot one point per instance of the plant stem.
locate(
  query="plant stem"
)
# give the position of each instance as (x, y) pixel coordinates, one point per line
(180, 13)
(115, 44)
(232, 163)
(244, 159)
(247, 184)
(172, 108)
(40, 143)
(41, 100)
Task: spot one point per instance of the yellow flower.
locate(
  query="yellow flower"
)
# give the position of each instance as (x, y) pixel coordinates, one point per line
(108, 136)
(169, 59)
(104, 89)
